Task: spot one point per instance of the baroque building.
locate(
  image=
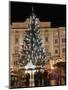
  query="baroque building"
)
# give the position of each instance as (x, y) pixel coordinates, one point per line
(53, 40)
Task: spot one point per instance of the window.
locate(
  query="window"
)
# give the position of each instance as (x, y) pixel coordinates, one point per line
(46, 30)
(16, 49)
(63, 50)
(16, 40)
(46, 39)
(16, 37)
(56, 41)
(63, 40)
(16, 31)
(56, 51)
(15, 63)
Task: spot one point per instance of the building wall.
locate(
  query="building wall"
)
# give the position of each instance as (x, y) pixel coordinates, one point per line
(53, 39)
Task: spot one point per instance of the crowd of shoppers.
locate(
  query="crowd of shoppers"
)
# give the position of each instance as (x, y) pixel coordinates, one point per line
(45, 78)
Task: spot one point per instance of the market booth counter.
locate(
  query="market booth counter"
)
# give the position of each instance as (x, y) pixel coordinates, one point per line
(61, 66)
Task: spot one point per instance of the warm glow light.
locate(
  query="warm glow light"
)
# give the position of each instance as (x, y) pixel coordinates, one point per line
(52, 63)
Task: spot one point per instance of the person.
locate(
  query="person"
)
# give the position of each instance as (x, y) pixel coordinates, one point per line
(45, 78)
(57, 77)
(27, 79)
(40, 78)
(52, 79)
(36, 78)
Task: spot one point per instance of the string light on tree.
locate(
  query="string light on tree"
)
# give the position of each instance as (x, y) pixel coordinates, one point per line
(33, 51)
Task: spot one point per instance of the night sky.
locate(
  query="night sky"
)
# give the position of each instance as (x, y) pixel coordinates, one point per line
(19, 11)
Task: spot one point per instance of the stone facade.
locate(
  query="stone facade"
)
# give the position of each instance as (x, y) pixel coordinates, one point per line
(53, 40)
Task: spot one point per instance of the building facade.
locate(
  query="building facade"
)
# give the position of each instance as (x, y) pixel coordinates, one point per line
(53, 40)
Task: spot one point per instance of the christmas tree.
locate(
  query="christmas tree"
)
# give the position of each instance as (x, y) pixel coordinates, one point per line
(32, 49)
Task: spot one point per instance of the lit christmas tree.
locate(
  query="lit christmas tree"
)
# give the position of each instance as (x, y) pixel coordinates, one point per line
(32, 50)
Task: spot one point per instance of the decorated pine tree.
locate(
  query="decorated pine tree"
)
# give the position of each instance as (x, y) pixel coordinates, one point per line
(32, 50)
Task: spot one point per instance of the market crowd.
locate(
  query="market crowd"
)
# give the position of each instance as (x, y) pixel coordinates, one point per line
(41, 79)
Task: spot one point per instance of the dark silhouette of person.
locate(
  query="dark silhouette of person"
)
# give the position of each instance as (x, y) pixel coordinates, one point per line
(27, 79)
(45, 78)
(57, 78)
(36, 78)
(40, 77)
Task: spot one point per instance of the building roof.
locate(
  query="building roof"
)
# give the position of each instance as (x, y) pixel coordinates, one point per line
(21, 25)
